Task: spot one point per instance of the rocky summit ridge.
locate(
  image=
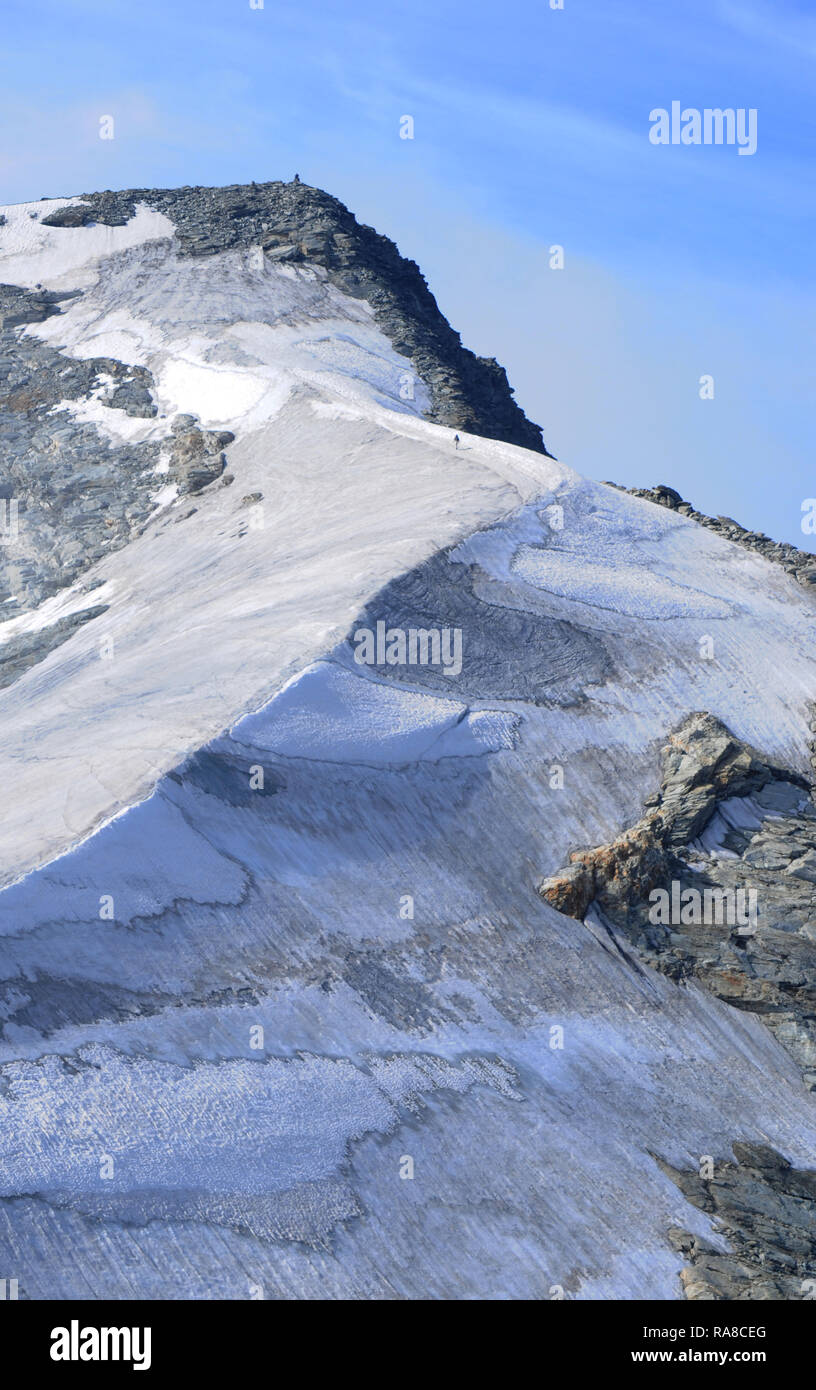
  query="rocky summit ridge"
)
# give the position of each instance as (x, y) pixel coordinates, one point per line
(294, 223)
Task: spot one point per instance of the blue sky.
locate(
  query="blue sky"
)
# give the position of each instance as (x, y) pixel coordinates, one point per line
(531, 129)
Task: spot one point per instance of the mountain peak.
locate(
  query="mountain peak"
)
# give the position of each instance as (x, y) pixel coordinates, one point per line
(297, 224)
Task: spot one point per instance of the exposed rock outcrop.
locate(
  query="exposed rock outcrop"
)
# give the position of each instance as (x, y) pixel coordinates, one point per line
(765, 1209)
(18, 654)
(77, 494)
(197, 457)
(725, 822)
(702, 765)
(295, 223)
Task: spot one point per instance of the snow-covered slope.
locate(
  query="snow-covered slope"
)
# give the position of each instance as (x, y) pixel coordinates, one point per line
(223, 823)
(245, 592)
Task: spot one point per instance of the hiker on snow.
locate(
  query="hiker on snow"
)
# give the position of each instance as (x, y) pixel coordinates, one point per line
(456, 441)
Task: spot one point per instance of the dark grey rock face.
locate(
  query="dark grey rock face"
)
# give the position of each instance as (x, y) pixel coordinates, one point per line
(196, 455)
(764, 839)
(800, 564)
(295, 223)
(132, 391)
(765, 1210)
(20, 653)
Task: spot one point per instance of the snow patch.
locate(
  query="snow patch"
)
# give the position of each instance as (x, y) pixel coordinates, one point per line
(116, 425)
(329, 714)
(632, 590)
(66, 257)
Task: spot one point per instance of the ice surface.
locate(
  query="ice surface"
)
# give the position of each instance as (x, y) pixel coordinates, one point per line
(329, 714)
(623, 588)
(371, 905)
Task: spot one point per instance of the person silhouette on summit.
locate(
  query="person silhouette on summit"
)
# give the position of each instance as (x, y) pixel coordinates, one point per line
(297, 178)
(456, 441)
